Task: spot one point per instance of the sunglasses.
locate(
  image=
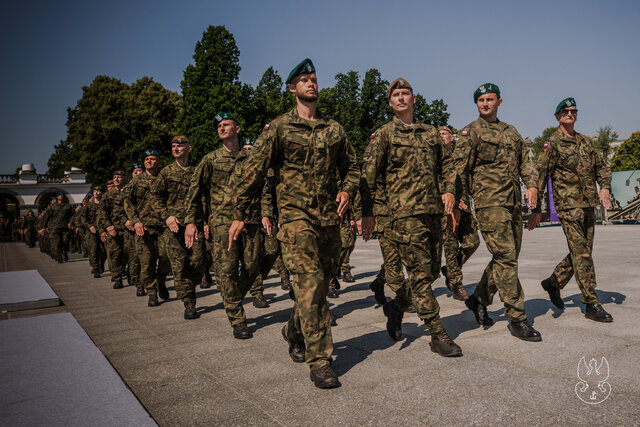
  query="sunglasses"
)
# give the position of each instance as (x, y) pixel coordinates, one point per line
(567, 112)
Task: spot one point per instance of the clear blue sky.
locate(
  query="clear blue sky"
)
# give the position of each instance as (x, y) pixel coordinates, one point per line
(538, 52)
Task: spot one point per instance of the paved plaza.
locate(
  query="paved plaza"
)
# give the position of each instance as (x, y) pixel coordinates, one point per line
(195, 373)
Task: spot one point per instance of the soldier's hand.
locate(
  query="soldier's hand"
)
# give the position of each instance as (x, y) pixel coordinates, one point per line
(532, 197)
(139, 227)
(190, 234)
(103, 237)
(173, 224)
(448, 200)
(605, 198)
(359, 227)
(343, 203)
(453, 220)
(534, 220)
(234, 232)
(462, 206)
(92, 229)
(111, 230)
(128, 225)
(368, 224)
(266, 223)
(206, 231)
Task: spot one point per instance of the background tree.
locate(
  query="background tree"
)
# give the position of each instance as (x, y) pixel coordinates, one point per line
(627, 156)
(270, 99)
(538, 141)
(433, 114)
(112, 123)
(603, 141)
(209, 86)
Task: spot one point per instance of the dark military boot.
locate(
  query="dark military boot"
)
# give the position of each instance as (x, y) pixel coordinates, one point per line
(285, 284)
(460, 293)
(336, 283)
(525, 331)
(118, 284)
(444, 346)
(101, 269)
(348, 277)
(153, 300)
(140, 292)
(241, 331)
(163, 292)
(96, 273)
(260, 302)
(207, 281)
(597, 313)
(377, 286)
(333, 293)
(394, 321)
(324, 377)
(332, 320)
(479, 311)
(296, 349)
(59, 259)
(190, 310)
(65, 256)
(554, 292)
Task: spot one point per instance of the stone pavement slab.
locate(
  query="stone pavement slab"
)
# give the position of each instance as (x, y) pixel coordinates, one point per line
(195, 373)
(52, 374)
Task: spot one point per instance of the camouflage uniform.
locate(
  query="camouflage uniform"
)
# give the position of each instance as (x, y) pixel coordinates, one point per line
(235, 270)
(30, 230)
(95, 247)
(112, 213)
(168, 194)
(270, 247)
(304, 156)
(413, 165)
(348, 234)
(154, 264)
(575, 167)
(464, 241)
(490, 159)
(56, 220)
(131, 253)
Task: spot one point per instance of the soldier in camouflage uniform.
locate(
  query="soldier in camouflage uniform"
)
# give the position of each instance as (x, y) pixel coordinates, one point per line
(148, 226)
(131, 252)
(57, 221)
(168, 194)
(89, 220)
(462, 243)
(305, 150)
(30, 229)
(417, 173)
(574, 167)
(491, 157)
(235, 269)
(112, 218)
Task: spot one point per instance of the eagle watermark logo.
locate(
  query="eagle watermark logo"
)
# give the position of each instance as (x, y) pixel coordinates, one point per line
(593, 387)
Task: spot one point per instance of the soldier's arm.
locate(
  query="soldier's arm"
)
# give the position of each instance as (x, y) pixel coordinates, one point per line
(464, 158)
(266, 199)
(546, 167)
(348, 167)
(528, 170)
(158, 195)
(130, 200)
(603, 172)
(104, 213)
(196, 195)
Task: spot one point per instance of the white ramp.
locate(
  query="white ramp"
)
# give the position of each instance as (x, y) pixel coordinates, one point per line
(25, 290)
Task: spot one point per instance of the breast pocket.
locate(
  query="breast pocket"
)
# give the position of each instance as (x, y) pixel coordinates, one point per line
(221, 170)
(297, 149)
(488, 148)
(402, 150)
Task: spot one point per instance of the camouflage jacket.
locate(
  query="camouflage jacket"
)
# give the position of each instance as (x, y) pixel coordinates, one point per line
(574, 167)
(461, 192)
(89, 215)
(490, 159)
(58, 216)
(111, 211)
(213, 181)
(29, 222)
(413, 167)
(304, 156)
(169, 191)
(137, 202)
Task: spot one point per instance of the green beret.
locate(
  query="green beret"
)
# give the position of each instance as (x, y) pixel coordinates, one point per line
(221, 117)
(119, 172)
(137, 165)
(305, 67)
(248, 141)
(484, 89)
(180, 140)
(567, 102)
(150, 152)
(59, 193)
(97, 187)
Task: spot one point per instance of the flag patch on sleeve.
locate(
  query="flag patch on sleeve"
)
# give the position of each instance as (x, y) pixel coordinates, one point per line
(464, 133)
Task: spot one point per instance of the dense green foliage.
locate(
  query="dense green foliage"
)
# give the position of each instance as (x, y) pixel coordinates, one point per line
(627, 156)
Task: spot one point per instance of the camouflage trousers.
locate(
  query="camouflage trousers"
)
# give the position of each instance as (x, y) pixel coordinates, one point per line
(459, 245)
(310, 253)
(236, 270)
(154, 263)
(578, 226)
(348, 243)
(131, 256)
(97, 254)
(392, 271)
(271, 258)
(186, 264)
(419, 240)
(501, 229)
(115, 251)
(30, 237)
(59, 241)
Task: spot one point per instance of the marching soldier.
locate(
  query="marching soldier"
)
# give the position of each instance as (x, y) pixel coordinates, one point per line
(133, 261)
(491, 157)
(112, 218)
(89, 220)
(574, 167)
